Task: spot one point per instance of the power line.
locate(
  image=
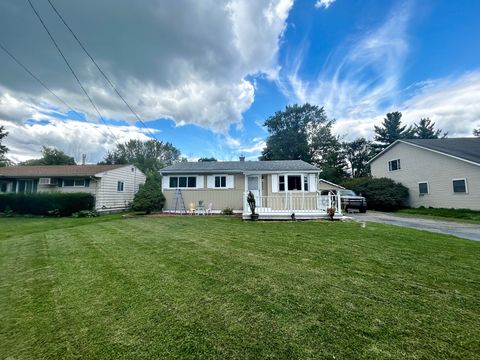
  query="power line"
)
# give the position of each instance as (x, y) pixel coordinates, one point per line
(24, 67)
(98, 67)
(71, 69)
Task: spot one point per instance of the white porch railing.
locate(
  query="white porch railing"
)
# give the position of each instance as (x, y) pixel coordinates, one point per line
(294, 202)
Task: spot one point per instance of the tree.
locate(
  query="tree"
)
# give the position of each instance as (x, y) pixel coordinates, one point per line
(476, 132)
(51, 156)
(391, 130)
(3, 149)
(358, 152)
(205, 159)
(425, 129)
(148, 156)
(149, 197)
(293, 131)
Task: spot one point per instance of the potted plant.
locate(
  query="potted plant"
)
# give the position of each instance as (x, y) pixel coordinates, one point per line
(331, 212)
(251, 203)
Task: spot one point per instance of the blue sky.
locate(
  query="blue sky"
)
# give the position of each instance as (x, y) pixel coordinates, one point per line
(209, 89)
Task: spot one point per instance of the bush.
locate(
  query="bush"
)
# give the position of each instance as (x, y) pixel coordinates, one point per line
(381, 194)
(227, 211)
(149, 197)
(86, 214)
(43, 203)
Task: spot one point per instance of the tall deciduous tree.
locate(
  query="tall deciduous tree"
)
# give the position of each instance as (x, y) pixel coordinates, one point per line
(425, 129)
(391, 130)
(51, 156)
(3, 149)
(292, 131)
(148, 156)
(358, 152)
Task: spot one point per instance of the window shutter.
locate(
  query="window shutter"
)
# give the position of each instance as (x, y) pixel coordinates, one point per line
(274, 183)
(312, 183)
(165, 182)
(211, 181)
(230, 184)
(200, 181)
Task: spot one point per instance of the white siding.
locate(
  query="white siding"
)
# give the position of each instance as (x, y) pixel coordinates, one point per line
(420, 165)
(107, 196)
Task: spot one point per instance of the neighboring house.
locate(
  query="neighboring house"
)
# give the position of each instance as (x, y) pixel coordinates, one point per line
(440, 173)
(325, 185)
(114, 186)
(281, 188)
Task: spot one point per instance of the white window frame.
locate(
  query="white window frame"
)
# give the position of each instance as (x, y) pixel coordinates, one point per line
(302, 182)
(466, 186)
(123, 185)
(178, 181)
(428, 188)
(215, 180)
(399, 165)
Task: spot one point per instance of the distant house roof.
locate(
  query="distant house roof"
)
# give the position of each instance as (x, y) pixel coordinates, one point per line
(466, 149)
(239, 166)
(56, 170)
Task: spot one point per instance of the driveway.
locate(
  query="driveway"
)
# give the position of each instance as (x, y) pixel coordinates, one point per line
(462, 230)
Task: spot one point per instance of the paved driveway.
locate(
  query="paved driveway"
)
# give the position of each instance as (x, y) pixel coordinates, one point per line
(463, 230)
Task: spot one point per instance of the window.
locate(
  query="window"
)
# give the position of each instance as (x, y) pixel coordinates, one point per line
(183, 182)
(3, 187)
(281, 183)
(294, 182)
(459, 186)
(423, 188)
(305, 183)
(221, 181)
(120, 186)
(394, 165)
(75, 183)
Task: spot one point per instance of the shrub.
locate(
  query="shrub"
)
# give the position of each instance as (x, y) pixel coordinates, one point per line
(381, 194)
(86, 214)
(149, 197)
(43, 203)
(227, 211)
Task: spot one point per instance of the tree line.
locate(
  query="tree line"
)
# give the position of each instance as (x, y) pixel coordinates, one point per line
(305, 133)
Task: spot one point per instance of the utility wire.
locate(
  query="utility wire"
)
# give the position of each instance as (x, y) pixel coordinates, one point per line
(99, 69)
(24, 67)
(71, 69)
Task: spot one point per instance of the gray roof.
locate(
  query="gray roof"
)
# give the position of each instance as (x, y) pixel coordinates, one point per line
(239, 166)
(463, 148)
(56, 170)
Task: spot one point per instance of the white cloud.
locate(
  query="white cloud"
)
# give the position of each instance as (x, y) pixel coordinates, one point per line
(257, 146)
(324, 4)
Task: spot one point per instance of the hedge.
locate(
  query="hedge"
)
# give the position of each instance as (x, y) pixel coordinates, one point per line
(381, 193)
(63, 204)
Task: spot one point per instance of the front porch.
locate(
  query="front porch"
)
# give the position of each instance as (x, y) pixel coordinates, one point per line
(303, 205)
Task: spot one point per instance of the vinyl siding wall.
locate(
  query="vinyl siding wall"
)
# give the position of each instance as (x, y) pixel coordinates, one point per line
(69, 189)
(107, 196)
(420, 165)
(219, 198)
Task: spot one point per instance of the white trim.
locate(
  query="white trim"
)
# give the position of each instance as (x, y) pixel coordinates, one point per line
(466, 186)
(330, 183)
(399, 165)
(428, 188)
(421, 147)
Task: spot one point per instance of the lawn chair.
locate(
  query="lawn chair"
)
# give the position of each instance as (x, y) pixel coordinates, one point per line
(208, 210)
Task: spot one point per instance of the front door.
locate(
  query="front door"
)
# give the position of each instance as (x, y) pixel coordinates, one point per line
(253, 185)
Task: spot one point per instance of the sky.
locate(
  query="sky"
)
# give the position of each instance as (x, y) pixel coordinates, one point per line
(205, 75)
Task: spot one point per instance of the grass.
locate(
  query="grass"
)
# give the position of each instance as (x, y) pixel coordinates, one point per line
(217, 287)
(467, 215)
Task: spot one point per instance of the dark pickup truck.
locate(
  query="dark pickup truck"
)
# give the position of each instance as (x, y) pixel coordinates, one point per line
(350, 200)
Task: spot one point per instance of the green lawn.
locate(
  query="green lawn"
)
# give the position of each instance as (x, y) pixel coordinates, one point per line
(463, 215)
(191, 287)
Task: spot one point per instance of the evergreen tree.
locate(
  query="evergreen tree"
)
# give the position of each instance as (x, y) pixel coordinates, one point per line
(425, 129)
(358, 152)
(149, 197)
(391, 130)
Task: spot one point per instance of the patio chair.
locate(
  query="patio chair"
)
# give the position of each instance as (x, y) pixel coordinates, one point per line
(208, 210)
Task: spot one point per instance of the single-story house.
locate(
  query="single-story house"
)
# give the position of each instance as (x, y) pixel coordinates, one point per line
(440, 173)
(114, 186)
(281, 188)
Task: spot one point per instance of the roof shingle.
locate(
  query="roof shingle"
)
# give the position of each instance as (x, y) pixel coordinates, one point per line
(238, 166)
(464, 148)
(56, 170)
